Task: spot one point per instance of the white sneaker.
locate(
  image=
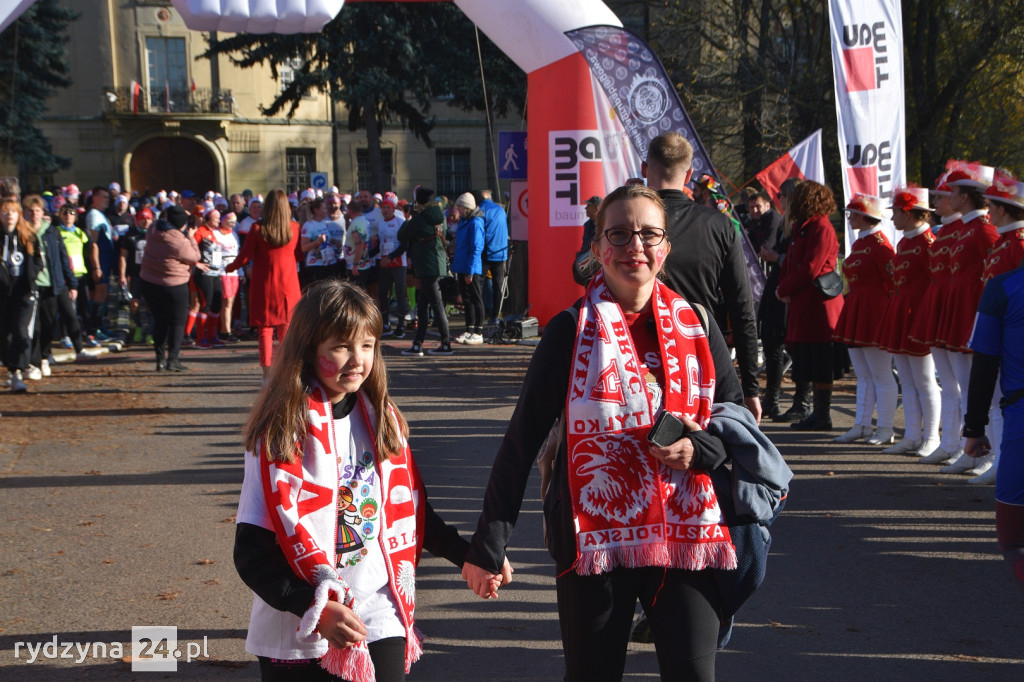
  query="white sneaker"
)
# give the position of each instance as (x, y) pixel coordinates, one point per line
(938, 456)
(474, 340)
(82, 355)
(858, 432)
(987, 477)
(462, 338)
(33, 373)
(44, 367)
(982, 464)
(17, 385)
(903, 446)
(960, 465)
(926, 448)
(882, 436)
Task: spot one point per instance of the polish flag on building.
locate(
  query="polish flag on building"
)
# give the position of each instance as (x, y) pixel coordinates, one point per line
(136, 96)
(802, 161)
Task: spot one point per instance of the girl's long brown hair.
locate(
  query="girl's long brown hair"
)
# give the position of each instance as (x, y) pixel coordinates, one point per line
(276, 223)
(328, 309)
(26, 235)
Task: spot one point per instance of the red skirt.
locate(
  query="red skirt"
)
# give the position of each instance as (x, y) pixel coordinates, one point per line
(859, 323)
(897, 321)
(927, 325)
(962, 307)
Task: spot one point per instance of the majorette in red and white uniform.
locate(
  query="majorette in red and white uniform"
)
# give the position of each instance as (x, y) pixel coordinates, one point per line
(867, 270)
(1008, 251)
(928, 317)
(911, 279)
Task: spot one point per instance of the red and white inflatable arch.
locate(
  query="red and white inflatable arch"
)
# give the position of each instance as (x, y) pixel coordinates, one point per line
(565, 159)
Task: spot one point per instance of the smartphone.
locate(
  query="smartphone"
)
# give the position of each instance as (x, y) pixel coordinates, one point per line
(667, 430)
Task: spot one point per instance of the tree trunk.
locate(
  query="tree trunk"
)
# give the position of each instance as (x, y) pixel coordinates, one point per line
(374, 157)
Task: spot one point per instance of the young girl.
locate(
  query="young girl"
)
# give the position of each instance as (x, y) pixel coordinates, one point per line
(330, 528)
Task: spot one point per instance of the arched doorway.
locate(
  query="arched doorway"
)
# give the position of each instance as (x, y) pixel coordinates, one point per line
(170, 163)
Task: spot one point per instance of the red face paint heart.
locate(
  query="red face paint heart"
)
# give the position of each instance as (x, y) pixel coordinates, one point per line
(327, 366)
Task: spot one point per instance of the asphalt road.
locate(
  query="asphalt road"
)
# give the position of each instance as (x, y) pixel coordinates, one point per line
(119, 485)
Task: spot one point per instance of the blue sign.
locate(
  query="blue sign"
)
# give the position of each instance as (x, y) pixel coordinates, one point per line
(512, 155)
(318, 180)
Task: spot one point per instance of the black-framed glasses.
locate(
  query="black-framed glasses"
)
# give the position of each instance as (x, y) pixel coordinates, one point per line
(620, 236)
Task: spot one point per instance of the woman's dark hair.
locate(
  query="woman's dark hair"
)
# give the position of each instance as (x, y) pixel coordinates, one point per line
(811, 199)
(974, 195)
(424, 195)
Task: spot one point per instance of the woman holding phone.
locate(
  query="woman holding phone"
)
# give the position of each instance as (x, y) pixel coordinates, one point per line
(627, 352)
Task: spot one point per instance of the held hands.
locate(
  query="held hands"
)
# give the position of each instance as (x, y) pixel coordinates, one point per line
(484, 583)
(977, 447)
(340, 625)
(678, 455)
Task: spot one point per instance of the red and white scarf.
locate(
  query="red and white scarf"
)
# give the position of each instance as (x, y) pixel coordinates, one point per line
(630, 510)
(302, 497)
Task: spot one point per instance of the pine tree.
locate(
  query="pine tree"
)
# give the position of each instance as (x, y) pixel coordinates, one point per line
(33, 67)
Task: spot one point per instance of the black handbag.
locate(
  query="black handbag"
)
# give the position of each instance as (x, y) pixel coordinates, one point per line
(830, 284)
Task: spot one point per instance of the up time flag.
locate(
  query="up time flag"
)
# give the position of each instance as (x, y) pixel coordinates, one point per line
(867, 63)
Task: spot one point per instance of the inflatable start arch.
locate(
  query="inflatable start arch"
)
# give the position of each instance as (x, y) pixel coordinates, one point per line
(568, 160)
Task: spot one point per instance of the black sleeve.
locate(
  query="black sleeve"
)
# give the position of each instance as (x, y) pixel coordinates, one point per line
(727, 386)
(541, 401)
(984, 374)
(443, 540)
(735, 285)
(708, 451)
(263, 567)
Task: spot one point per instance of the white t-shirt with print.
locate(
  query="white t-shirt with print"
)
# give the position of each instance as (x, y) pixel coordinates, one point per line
(272, 632)
(324, 254)
(388, 232)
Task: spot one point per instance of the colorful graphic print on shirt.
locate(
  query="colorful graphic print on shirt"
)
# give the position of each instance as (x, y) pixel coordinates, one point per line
(358, 509)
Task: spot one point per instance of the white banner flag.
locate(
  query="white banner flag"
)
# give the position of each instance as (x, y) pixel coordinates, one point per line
(867, 61)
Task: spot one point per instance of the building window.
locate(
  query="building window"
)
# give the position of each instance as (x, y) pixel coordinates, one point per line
(167, 71)
(453, 174)
(363, 166)
(298, 164)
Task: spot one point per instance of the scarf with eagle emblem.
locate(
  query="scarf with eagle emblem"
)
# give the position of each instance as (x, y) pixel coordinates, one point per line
(629, 509)
(302, 497)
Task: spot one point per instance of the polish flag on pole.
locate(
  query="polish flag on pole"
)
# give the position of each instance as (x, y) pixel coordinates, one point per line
(802, 161)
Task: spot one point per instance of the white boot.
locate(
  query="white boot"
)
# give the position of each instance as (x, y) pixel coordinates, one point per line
(960, 465)
(904, 446)
(882, 436)
(982, 464)
(987, 477)
(939, 456)
(927, 447)
(855, 434)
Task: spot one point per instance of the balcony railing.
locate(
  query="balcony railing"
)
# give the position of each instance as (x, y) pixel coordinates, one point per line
(168, 100)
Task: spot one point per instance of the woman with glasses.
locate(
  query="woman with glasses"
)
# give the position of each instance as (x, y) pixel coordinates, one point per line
(812, 316)
(617, 506)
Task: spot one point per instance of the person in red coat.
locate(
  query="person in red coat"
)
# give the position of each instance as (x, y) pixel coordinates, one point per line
(868, 275)
(1006, 210)
(812, 317)
(274, 288)
(966, 265)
